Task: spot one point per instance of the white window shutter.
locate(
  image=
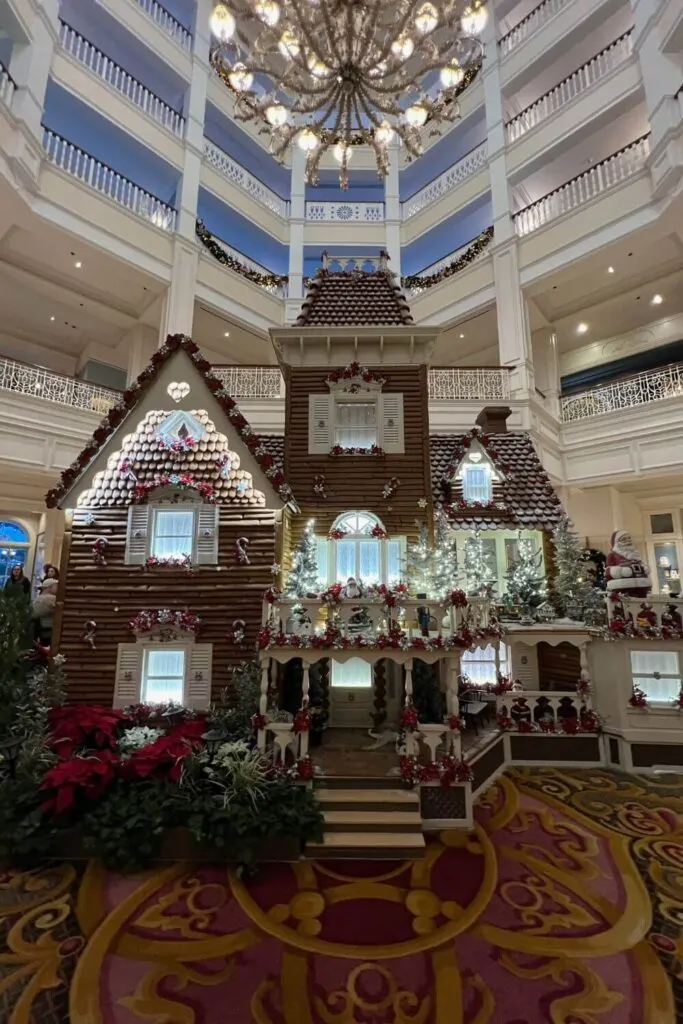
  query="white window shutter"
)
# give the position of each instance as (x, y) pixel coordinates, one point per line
(207, 520)
(127, 686)
(137, 534)
(199, 677)
(319, 424)
(392, 423)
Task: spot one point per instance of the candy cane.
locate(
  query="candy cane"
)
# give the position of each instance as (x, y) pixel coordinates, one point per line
(236, 634)
(241, 556)
(89, 633)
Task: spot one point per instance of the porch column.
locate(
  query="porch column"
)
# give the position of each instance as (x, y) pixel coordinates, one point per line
(263, 705)
(392, 213)
(297, 225)
(584, 675)
(410, 738)
(178, 309)
(453, 738)
(305, 687)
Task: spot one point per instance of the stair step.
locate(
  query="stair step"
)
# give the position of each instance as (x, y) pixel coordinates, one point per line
(368, 799)
(357, 782)
(372, 821)
(373, 846)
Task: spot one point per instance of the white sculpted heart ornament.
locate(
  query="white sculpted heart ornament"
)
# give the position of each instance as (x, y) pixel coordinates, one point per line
(178, 389)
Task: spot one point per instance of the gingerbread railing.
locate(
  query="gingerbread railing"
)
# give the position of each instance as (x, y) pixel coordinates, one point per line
(656, 613)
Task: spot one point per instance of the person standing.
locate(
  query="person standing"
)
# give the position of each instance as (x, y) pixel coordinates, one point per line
(17, 583)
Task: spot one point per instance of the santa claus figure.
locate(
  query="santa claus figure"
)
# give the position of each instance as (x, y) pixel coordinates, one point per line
(625, 573)
(353, 589)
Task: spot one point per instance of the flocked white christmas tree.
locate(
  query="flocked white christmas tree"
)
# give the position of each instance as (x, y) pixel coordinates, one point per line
(432, 568)
(526, 586)
(570, 589)
(479, 564)
(420, 564)
(303, 577)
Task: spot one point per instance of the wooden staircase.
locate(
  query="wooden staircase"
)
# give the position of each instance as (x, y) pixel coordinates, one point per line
(368, 819)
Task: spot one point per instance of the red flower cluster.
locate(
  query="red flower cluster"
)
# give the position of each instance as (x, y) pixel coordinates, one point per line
(395, 639)
(333, 594)
(355, 372)
(180, 481)
(339, 449)
(409, 718)
(178, 445)
(171, 561)
(83, 725)
(447, 770)
(638, 698)
(258, 722)
(336, 534)
(78, 780)
(156, 618)
(302, 721)
(458, 598)
(378, 532)
(456, 723)
(272, 595)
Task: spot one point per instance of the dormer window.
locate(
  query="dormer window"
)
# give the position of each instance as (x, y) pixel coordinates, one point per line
(356, 424)
(477, 484)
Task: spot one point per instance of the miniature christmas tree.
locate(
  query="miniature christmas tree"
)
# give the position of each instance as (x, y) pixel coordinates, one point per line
(481, 572)
(420, 564)
(445, 569)
(570, 586)
(526, 586)
(303, 577)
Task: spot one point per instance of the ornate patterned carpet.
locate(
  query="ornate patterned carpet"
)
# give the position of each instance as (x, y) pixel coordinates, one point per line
(564, 905)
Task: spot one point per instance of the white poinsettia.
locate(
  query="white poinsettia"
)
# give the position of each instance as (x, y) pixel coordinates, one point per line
(138, 736)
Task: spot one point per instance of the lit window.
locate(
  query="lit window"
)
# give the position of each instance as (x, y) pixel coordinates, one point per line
(658, 673)
(173, 533)
(355, 424)
(476, 484)
(14, 546)
(163, 676)
(358, 554)
(480, 664)
(352, 673)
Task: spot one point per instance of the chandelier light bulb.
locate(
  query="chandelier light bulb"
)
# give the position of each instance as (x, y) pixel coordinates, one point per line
(402, 47)
(342, 153)
(268, 12)
(276, 115)
(384, 134)
(474, 19)
(316, 67)
(452, 75)
(426, 19)
(289, 44)
(379, 69)
(416, 115)
(307, 140)
(240, 78)
(222, 23)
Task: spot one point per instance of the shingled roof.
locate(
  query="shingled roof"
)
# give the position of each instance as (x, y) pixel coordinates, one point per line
(528, 496)
(354, 298)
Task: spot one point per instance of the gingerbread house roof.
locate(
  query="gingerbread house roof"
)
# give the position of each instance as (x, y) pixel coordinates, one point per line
(179, 357)
(354, 298)
(526, 494)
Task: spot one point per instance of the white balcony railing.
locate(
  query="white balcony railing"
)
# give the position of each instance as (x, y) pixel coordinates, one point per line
(652, 386)
(434, 268)
(234, 172)
(569, 88)
(6, 86)
(346, 213)
(463, 384)
(54, 387)
(251, 381)
(236, 261)
(446, 182)
(533, 21)
(165, 20)
(582, 189)
(85, 53)
(96, 175)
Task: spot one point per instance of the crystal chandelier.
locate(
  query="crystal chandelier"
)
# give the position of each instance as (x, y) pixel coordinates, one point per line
(335, 74)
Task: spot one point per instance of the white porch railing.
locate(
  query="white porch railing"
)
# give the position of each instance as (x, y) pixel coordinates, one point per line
(167, 22)
(441, 264)
(251, 381)
(54, 387)
(234, 172)
(585, 187)
(446, 182)
(463, 384)
(103, 179)
(533, 21)
(543, 709)
(346, 213)
(6, 86)
(652, 386)
(569, 88)
(85, 53)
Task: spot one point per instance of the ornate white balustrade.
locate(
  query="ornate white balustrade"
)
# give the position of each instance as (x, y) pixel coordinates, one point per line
(582, 189)
(462, 383)
(165, 20)
(96, 175)
(345, 213)
(542, 709)
(251, 381)
(472, 162)
(569, 88)
(533, 21)
(653, 386)
(54, 387)
(85, 53)
(6, 86)
(238, 175)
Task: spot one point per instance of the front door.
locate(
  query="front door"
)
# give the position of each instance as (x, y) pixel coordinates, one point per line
(351, 694)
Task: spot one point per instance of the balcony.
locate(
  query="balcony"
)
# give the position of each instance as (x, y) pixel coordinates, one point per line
(97, 176)
(165, 20)
(642, 388)
(6, 87)
(23, 379)
(345, 213)
(435, 274)
(116, 78)
(238, 176)
(575, 85)
(445, 183)
(599, 179)
(530, 24)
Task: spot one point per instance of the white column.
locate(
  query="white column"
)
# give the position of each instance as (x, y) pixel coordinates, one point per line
(53, 535)
(495, 132)
(141, 342)
(263, 705)
(661, 80)
(547, 368)
(195, 108)
(178, 306)
(305, 687)
(297, 224)
(392, 213)
(30, 69)
(514, 340)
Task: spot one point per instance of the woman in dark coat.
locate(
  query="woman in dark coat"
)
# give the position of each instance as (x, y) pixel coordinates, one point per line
(18, 583)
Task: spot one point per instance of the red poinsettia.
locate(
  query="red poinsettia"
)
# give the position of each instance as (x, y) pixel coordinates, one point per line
(258, 722)
(162, 759)
(80, 779)
(409, 718)
(83, 725)
(458, 598)
(638, 698)
(456, 723)
(302, 720)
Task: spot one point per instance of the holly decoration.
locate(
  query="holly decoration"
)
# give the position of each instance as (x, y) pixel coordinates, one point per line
(98, 551)
(638, 698)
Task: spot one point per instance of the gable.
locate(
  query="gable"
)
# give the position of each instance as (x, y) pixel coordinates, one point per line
(477, 454)
(178, 377)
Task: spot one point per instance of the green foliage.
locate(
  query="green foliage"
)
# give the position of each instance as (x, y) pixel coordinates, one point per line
(239, 702)
(124, 828)
(25, 835)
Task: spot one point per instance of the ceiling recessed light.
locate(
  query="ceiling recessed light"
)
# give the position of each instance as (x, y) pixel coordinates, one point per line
(610, 270)
(78, 264)
(657, 300)
(52, 318)
(462, 335)
(581, 328)
(227, 334)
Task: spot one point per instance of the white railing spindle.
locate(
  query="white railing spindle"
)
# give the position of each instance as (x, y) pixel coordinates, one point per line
(651, 386)
(251, 381)
(456, 383)
(527, 26)
(238, 175)
(54, 387)
(346, 213)
(472, 162)
(165, 20)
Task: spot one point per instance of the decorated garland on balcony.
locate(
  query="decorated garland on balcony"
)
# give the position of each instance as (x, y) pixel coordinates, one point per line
(215, 249)
(394, 639)
(477, 247)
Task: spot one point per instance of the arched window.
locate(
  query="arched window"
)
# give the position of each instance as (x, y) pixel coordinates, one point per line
(15, 544)
(363, 552)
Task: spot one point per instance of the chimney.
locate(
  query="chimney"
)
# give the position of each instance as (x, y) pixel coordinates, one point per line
(492, 419)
